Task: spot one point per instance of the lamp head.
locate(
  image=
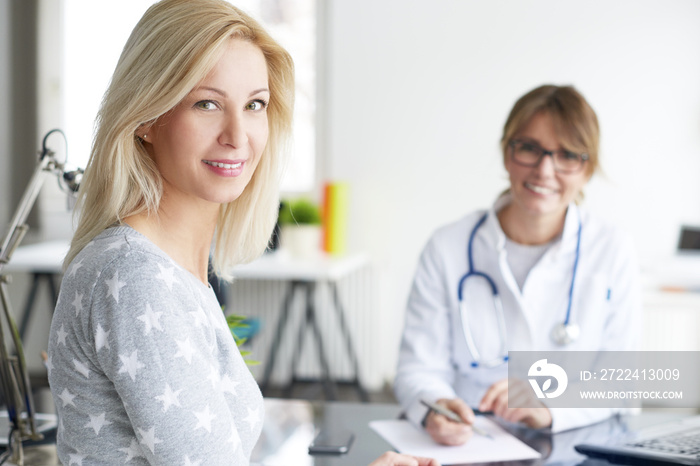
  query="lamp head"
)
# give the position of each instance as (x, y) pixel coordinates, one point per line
(73, 179)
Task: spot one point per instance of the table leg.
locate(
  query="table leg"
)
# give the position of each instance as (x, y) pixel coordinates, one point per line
(298, 348)
(348, 340)
(328, 384)
(284, 314)
(29, 306)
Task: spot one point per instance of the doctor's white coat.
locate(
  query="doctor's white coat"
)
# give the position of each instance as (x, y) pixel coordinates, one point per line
(434, 361)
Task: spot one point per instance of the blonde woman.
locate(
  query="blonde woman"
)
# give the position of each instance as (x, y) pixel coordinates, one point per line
(142, 365)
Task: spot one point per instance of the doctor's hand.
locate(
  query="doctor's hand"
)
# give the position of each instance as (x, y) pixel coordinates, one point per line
(496, 400)
(391, 458)
(447, 432)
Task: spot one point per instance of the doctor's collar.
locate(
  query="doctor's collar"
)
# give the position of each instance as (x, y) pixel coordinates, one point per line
(566, 240)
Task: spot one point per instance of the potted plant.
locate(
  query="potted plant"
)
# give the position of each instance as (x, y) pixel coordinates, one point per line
(300, 227)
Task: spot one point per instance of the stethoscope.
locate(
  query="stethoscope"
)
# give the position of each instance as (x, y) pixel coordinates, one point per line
(563, 333)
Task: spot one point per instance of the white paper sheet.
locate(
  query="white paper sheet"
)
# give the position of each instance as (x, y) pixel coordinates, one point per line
(409, 439)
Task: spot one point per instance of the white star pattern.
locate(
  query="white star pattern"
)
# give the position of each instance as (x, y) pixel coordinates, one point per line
(218, 320)
(61, 334)
(97, 422)
(214, 375)
(235, 439)
(67, 398)
(132, 451)
(190, 463)
(150, 318)
(198, 317)
(228, 385)
(148, 438)
(169, 398)
(253, 417)
(78, 303)
(130, 365)
(101, 338)
(204, 419)
(82, 368)
(49, 365)
(76, 458)
(114, 286)
(167, 274)
(75, 266)
(184, 350)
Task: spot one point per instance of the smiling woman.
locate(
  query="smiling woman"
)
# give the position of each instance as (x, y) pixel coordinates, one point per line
(143, 366)
(538, 273)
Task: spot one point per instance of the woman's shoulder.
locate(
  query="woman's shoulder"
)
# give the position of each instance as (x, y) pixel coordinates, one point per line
(457, 229)
(117, 250)
(601, 229)
(452, 236)
(605, 239)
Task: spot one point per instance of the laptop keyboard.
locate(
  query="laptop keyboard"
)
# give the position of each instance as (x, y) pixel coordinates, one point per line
(680, 443)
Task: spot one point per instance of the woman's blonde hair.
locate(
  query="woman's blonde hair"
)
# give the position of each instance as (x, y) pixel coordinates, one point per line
(172, 48)
(575, 122)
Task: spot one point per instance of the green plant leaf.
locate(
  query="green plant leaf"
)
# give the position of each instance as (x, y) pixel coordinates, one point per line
(300, 211)
(235, 321)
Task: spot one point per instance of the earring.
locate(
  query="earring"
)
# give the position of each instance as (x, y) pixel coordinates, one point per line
(145, 136)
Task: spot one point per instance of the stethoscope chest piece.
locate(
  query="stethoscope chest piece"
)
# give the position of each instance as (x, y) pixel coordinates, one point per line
(564, 334)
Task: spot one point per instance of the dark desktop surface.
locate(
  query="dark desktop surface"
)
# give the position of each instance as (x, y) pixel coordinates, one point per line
(291, 425)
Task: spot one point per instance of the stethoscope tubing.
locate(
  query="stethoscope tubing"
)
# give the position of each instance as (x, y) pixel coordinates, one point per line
(498, 305)
(573, 275)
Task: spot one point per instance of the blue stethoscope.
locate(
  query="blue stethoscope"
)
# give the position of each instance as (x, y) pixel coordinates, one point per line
(562, 334)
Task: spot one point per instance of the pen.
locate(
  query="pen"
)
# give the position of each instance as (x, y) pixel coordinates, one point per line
(452, 416)
(478, 412)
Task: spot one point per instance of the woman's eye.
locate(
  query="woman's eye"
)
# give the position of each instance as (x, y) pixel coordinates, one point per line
(205, 105)
(568, 155)
(256, 105)
(528, 147)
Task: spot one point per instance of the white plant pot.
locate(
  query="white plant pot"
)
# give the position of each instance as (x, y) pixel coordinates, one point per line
(301, 241)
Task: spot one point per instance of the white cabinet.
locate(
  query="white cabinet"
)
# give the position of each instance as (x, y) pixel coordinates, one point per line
(671, 321)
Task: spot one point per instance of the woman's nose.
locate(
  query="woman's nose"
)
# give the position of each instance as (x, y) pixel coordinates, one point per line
(545, 166)
(234, 132)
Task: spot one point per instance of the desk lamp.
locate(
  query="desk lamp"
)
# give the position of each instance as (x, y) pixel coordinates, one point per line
(14, 379)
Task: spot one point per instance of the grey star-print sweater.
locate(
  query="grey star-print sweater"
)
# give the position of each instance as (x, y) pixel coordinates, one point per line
(142, 365)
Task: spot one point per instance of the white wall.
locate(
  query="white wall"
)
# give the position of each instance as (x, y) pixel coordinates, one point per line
(418, 92)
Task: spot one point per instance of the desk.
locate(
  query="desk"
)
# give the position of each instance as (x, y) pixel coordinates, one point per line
(290, 424)
(43, 261)
(304, 276)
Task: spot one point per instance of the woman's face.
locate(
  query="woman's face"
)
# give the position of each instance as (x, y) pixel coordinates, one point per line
(208, 146)
(540, 190)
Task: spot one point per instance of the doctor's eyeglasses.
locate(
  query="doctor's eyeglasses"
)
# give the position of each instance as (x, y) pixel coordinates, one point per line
(530, 154)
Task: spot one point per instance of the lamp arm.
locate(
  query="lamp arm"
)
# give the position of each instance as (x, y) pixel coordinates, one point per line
(18, 228)
(14, 378)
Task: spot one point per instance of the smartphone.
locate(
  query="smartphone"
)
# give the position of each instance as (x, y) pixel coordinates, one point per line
(331, 441)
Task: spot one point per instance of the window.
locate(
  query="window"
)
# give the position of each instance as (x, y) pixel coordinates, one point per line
(95, 33)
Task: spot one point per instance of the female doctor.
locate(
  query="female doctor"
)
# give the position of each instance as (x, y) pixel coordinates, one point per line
(535, 272)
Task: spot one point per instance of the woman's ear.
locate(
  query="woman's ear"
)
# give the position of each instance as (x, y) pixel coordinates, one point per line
(142, 131)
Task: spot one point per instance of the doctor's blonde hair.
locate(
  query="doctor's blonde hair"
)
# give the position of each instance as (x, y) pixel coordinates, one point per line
(172, 48)
(575, 122)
